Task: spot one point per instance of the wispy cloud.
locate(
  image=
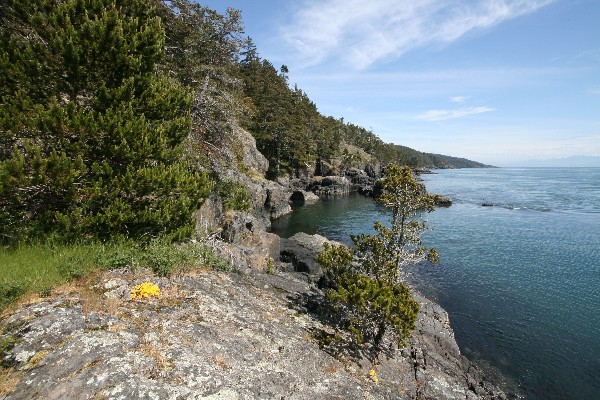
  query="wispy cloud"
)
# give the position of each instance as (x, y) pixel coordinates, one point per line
(438, 115)
(594, 90)
(360, 33)
(459, 99)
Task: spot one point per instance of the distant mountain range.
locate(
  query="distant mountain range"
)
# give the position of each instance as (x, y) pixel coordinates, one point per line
(578, 161)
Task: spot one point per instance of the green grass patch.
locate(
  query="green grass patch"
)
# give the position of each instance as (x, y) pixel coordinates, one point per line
(37, 268)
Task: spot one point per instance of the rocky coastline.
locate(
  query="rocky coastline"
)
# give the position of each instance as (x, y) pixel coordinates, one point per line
(255, 332)
(244, 334)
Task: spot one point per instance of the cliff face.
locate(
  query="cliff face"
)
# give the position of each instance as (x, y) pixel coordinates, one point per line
(237, 335)
(246, 334)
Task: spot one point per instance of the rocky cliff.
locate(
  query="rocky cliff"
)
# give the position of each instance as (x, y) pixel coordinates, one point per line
(257, 332)
(217, 335)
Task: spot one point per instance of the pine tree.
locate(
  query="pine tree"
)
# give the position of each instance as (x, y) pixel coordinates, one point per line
(365, 281)
(91, 133)
(286, 124)
(202, 49)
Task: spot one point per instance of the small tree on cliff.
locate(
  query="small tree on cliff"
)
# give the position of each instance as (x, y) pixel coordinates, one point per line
(365, 282)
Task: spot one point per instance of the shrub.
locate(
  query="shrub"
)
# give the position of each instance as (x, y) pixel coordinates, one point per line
(92, 131)
(234, 196)
(365, 282)
(119, 254)
(212, 260)
(10, 291)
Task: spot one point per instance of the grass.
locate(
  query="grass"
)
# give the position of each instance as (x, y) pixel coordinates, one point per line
(38, 268)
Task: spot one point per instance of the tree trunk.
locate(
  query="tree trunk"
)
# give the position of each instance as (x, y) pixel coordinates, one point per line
(378, 342)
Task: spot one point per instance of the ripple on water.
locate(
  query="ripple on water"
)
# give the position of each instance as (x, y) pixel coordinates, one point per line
(520, 281)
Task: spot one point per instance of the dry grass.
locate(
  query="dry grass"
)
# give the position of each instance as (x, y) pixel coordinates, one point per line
(150, 349)
(220, 361)
(173, 292)
(93, 299)
(38, 357)
(330, 369)
(9, 378)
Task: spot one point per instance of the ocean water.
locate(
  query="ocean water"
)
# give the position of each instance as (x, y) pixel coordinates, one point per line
(519, 279)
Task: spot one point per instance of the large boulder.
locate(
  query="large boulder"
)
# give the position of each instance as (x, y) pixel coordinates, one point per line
(277, 201)
(331, 186)
(304, 197)
(300, 252)
(250, 244)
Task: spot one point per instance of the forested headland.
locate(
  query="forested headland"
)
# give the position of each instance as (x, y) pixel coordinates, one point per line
(144, 145)
(111, 112)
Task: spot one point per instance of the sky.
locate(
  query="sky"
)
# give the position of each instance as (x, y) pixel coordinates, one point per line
(503, 82)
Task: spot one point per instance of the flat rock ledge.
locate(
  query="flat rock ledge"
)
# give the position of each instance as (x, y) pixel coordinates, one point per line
(214, 335)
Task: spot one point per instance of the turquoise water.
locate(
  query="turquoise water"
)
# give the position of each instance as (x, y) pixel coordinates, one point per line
(520, 280)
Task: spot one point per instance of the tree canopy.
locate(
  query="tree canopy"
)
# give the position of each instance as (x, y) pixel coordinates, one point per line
(365, 282)
(91, 128)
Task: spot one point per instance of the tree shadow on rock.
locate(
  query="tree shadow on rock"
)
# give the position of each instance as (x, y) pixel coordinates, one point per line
(333, 335)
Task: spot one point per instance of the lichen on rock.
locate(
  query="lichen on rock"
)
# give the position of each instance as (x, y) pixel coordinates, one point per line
(217, 335)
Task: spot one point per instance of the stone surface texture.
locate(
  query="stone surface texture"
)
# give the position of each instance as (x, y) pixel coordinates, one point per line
(216, 335)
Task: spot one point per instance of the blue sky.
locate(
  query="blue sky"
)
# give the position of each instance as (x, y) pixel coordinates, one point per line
(505, 82)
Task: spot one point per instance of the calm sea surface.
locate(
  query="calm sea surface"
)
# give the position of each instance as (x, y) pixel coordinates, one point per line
(520, 279)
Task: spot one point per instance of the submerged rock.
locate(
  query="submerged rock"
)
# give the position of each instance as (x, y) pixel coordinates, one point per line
(443, 201)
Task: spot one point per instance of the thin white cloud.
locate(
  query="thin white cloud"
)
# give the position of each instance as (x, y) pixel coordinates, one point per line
(430, 84)
(594, 90)
(360, 33)
(438, 115)
(459, 99)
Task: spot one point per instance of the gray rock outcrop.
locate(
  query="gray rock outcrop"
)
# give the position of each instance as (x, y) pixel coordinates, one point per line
(214, 336)
(238, 160)
(298, 253)
(331, 186)
(304, 197)
(249, 243)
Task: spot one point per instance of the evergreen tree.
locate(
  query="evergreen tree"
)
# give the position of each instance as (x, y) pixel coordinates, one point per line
(270, 123)
(366, 282)
(288, 129)
(202, 50)
(91, 135)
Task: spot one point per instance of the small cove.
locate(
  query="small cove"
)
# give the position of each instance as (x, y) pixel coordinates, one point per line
(520, 280)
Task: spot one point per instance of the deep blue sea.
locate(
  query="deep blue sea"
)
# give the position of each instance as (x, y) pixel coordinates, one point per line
(519, 279)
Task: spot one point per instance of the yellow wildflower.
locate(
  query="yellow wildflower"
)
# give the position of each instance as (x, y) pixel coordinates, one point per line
(373, 376)
(145, 290)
